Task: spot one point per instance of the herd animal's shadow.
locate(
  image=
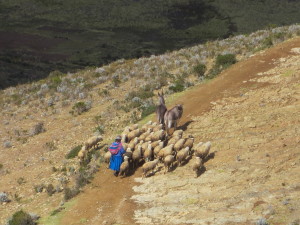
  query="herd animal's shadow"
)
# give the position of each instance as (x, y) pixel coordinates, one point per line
(152, 173)
(186, 161)
(209, 157)
(185, 125)
(201, 171)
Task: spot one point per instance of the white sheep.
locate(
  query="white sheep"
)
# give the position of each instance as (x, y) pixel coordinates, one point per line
(148, 154)
(182, 155)
(177, 133)
(179, 144)
(158, 148)
(197, 165)
(92, 142)
(149, 166)
(165, 151)
(145, 134)
(133, 143)
(158, 135)
(134, 127)
(174, 139)
(168, 162)
(82, 154)
(149, 137)
(157, 128)
(202, 149)
(124, 168)
(107, 156)
(189, 143)
(136, 156)
(132, 134)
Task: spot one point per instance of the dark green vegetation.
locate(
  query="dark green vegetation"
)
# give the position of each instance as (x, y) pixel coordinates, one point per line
(222, 62)
(21, 218)
(39, 36)
(73, 152)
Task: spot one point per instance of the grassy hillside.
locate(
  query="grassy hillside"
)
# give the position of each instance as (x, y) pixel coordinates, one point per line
(39, 36)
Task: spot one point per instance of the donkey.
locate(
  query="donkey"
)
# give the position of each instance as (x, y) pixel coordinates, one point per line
(172, 117)
(161, 109)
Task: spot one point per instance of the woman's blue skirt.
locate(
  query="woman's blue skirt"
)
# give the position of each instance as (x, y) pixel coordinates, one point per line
(115, 162)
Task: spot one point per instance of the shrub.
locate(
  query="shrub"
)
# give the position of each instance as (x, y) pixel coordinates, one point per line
(50, 189)
(225, 61)
(148, 110)
(50, 146)
(200, 70)
(21, 180)
(73, 152)
(37, 129)
(116, 81)
(80, 107)
(103, 93)
(99, 129)
(268, 42)
(1, 166)
(39, 188)
(178, 85)
(70, 193)
(21, 218)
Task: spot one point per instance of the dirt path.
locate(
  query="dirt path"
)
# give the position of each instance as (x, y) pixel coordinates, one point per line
(108, 199)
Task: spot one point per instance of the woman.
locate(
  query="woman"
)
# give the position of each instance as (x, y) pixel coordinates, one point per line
(116, 149)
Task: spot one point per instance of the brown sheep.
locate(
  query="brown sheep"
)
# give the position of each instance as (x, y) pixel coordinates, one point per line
(202, 149)
(158, 135)
(168, 162)
(124, 168)
(197, 165)
(149, 166)
(174, 139)
(182, 155)
(158, 148)
(165, 151)
(148, 154)
(92, 142)
(189, 143)
(132, 134)
(179, 144)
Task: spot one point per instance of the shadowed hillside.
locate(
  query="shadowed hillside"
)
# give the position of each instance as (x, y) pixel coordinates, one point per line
(38, 36)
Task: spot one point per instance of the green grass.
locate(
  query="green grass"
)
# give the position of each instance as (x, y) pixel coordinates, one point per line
(73, 152)
(55, 219)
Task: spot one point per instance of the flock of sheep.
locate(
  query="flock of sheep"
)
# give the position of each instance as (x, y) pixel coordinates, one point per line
(151, 145)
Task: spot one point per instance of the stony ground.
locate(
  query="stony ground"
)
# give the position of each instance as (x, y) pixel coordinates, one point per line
(255, 170)
(250, 113)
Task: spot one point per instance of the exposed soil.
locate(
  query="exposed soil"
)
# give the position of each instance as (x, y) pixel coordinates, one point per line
(250, 113)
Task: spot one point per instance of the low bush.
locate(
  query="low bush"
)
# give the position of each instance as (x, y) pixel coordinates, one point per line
(200, 70)
(225, 61)
(73, 152)
(50, 189)
(147, 110)
(99, 129)
(37, 129)
(80, 107)
(70, 193)
(21, 218)
(178, 85)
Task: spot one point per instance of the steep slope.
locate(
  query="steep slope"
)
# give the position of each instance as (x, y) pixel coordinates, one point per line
(250, 113)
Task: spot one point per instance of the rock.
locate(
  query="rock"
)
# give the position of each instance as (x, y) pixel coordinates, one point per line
(262, 221)
(34, 216)
(4, 197)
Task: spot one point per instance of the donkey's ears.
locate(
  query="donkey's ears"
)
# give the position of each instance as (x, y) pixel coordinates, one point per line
(159, 94)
